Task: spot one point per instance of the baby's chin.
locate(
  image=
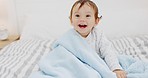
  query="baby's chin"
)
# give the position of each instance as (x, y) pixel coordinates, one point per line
(83, 34)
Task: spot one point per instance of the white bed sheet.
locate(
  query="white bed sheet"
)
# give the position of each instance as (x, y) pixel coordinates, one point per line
(135, 46)
(19, 59)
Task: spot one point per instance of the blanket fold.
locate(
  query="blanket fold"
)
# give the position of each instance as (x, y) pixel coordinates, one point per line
(72, 57)
(134, 68)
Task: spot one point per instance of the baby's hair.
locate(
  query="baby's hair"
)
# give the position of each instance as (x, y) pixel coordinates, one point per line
(89, 3)
(82, 2)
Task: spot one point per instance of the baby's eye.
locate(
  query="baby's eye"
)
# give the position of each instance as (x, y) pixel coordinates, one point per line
(88, 15)
(77, 15)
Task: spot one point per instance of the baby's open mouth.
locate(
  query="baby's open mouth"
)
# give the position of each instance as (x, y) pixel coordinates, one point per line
(82, 26)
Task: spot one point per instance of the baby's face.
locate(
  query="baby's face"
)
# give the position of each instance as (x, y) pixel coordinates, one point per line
(83, 19)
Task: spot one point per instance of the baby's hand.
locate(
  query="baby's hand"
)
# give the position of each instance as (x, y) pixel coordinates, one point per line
(120, 73)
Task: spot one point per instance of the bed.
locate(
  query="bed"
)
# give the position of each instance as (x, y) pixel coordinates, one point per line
(135, 46)
(19, 59)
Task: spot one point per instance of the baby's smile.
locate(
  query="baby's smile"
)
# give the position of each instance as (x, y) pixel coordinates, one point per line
(82, 25)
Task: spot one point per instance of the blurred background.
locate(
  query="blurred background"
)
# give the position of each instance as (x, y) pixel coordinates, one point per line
(120, 17)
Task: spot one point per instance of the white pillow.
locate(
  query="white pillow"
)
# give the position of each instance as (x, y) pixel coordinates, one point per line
(47, 19)
(36, 28)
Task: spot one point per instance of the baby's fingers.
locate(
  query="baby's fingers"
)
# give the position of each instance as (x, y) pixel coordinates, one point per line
(121, 76)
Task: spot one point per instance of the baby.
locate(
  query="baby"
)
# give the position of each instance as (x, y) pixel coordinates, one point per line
(84, 18)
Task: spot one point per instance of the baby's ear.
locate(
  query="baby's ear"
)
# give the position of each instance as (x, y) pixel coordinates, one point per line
(97, 20)
(70, 19)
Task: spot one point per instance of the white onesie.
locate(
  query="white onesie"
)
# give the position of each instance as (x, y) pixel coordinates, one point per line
(104, 48)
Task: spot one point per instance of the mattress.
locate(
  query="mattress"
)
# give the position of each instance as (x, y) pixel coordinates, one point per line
(20, 58)
(135, 46)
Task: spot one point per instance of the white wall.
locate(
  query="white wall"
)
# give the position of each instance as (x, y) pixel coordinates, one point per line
(124, 17)
(3, 13)
(8, 16)
(120, 17)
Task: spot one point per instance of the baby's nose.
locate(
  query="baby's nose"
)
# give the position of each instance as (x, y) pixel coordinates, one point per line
(82, 20)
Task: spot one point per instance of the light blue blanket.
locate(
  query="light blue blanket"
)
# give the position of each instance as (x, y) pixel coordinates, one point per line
(72, 57)
(134, 68)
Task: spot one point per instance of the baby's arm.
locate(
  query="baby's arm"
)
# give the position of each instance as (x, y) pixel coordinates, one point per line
(108, 53)
(110, 57)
